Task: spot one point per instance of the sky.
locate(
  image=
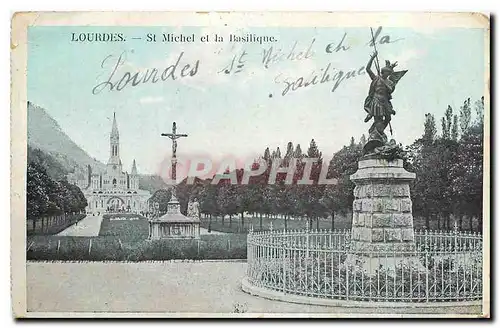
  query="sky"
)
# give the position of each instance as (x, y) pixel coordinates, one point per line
(241, 113)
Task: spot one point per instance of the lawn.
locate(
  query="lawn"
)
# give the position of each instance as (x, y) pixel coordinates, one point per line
(125, 238)
(111, 248)
(126, 227)
(237, 225)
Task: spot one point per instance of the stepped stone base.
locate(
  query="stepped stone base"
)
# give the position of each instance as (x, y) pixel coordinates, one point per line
(382, 221)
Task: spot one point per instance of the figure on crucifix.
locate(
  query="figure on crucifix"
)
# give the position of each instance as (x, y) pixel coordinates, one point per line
(174, 136)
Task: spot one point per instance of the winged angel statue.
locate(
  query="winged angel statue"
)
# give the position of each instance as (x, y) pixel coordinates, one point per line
(378, 102)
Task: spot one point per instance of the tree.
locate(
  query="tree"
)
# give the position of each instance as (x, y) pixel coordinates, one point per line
(340, 196)
(309, 194)
(465, 117)
(45, 196)
(467, 170)
(277, 153)
(298, 152)
(36, 193)
(448, 169)
(446, 123)
(267, 155)
(162, 197)
(208, 199)
(429, 129)
(289, 153)
(479, 107)
(454, 129)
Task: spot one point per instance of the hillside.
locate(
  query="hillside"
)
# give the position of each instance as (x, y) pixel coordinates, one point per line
(53, 167)
(54, 149)
(44, 133)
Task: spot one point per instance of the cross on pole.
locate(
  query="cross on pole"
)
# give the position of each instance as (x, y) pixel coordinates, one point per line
(174, 136)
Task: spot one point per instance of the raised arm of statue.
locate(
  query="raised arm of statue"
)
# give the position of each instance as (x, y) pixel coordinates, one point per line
(369, 66)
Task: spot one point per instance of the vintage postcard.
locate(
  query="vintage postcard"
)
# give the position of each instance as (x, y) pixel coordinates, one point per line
(250, 164)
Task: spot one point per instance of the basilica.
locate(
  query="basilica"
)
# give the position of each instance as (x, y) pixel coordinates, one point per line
(112, 190)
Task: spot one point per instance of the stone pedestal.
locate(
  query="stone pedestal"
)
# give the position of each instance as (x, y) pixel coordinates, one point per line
(382, 222)
(174, 225)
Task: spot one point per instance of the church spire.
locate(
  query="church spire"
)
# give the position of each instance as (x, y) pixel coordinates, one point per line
(134, 168)
(114, 129)
(114, 145)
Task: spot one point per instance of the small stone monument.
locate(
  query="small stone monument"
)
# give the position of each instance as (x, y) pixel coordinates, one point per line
(174, 225)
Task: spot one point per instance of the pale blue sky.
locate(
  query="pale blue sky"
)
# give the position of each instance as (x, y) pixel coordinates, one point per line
(234, 115)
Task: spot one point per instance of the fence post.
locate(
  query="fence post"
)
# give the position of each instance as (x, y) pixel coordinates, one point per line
(90, 245)
(307, 240)
(426, 250)
(455, 233)
(283, 247)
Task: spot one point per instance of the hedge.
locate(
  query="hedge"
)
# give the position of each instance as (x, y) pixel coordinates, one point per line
(110, 248)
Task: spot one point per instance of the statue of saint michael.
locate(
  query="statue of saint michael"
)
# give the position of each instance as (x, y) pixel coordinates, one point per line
(378, 102)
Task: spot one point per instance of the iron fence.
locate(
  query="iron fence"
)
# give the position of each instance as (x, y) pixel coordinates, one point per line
(439, 267)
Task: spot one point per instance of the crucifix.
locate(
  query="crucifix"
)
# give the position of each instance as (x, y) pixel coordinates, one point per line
(174, 136)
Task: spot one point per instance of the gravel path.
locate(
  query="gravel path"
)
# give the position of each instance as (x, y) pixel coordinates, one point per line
(87, 227)
(195, 287)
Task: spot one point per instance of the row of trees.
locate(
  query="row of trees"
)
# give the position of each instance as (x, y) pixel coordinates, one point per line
(448, 167)
(46, 196)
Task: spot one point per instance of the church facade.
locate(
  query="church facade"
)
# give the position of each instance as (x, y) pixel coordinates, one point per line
(112, 190)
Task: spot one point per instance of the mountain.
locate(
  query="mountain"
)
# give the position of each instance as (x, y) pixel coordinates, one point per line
(44, 133)
(53, 167)
(50, 146)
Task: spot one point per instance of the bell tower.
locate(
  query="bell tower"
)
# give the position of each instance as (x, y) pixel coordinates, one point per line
(114, 162)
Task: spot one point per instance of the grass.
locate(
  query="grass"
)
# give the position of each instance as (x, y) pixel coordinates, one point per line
(235, 225)
(102, 248)
(127, 240)
(134, 228)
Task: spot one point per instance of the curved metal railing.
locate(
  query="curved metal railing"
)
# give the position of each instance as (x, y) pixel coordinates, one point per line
(439, 267)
